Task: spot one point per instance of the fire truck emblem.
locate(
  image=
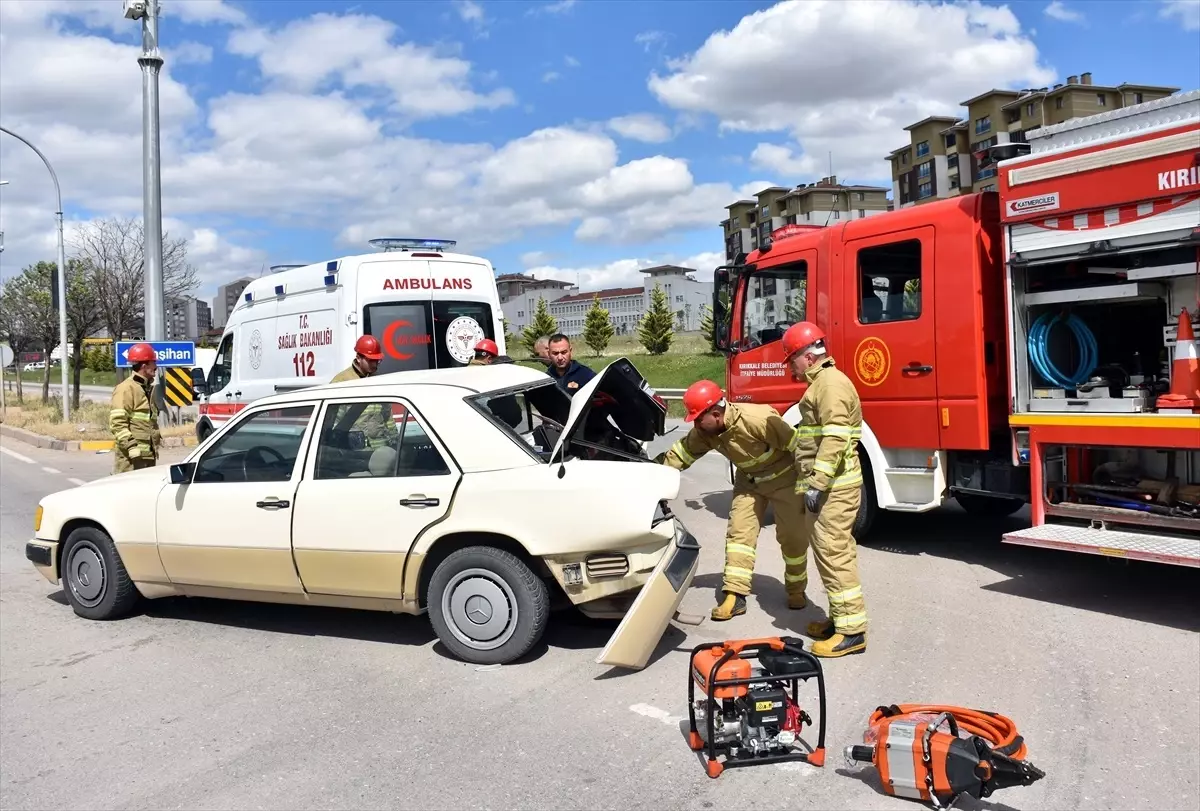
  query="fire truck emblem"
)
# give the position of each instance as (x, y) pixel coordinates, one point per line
(872, 361)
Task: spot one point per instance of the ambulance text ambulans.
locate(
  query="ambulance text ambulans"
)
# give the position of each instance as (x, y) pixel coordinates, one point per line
(296, 328)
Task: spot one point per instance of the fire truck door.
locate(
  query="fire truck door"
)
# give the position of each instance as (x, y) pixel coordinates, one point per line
(889, 349)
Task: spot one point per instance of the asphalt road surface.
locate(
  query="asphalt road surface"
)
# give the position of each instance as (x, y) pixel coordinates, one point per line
(210, 704)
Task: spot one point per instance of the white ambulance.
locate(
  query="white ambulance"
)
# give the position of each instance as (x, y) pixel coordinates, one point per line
(296, 327)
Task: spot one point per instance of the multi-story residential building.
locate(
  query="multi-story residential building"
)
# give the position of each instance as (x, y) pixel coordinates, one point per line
(187, 319)
(226, 299)
(996, 117)
(821, 203)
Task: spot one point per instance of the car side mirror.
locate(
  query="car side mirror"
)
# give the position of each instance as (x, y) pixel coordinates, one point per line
(183, 473)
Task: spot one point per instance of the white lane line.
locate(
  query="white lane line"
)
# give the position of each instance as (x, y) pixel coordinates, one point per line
(16, 456)
(51, 469)
(650, 711)
(79, 482)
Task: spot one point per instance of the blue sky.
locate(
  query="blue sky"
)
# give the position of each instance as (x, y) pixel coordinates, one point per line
(583, 140)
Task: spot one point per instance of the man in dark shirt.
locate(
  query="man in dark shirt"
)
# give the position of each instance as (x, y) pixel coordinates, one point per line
(569, 374)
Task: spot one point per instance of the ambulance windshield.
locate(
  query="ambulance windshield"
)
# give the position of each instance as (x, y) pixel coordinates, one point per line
(418, 335)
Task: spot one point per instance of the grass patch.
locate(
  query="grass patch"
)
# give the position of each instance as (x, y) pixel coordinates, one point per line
(87, 377)
(89, 421)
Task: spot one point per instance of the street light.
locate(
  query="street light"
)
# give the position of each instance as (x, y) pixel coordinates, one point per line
(151, 62)
(62, 277)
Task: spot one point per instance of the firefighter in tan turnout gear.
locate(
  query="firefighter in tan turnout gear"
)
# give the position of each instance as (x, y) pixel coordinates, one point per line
(761, 446)
(374, 420)
(133, 417)
(830, 482)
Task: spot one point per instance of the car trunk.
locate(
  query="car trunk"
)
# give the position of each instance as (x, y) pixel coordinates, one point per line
(615, 411)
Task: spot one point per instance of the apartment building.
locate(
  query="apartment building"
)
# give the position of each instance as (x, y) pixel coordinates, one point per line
(187, 319)
(226, 299)
(939, 160)
(823, 202)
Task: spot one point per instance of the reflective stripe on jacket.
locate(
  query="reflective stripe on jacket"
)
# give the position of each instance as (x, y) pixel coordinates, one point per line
(756, 439)
(829, 430)
(133, 419)
(375, 421)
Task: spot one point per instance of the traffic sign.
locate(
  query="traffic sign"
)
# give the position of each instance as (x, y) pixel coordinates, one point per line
(177, 386)
(168, 353)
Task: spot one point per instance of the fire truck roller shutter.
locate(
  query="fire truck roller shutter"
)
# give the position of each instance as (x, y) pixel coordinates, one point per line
(871, 459)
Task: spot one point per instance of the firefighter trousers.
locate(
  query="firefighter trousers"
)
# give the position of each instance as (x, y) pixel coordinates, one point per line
(829, 531)
(746, 515)
(123, 464)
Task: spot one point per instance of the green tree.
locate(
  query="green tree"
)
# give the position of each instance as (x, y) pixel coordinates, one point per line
(543, 324)
(14, 327)
(597, 327)
(28, 297)
(658, 324)
(797, 302)
(84, 318)
(706, 323)
(509, 338)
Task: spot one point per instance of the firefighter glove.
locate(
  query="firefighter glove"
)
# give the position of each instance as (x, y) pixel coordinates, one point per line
(661, 458)
(812, 499)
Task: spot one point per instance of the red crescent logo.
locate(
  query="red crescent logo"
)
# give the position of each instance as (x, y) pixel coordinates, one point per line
(389, 340)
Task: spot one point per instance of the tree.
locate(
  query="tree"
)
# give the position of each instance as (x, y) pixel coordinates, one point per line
(509, 338)
(83, 319)
(657, 327)
(597, 328)
(542, 324)
(797, 302)
(706, 323)
(112, 249)
(14, 328)
(29, 298)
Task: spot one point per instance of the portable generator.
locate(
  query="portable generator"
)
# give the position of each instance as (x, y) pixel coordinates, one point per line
(748, 711)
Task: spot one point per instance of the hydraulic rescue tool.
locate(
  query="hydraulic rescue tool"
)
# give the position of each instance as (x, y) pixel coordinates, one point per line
(934, 753)
(747, 712)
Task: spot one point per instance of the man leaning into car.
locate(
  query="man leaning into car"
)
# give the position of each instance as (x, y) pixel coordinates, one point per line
(568, 373)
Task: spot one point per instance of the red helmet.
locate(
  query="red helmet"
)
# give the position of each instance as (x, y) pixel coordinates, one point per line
(141, 353)
(489, 346)
(801, 336)
(699, 397)
(368, 347)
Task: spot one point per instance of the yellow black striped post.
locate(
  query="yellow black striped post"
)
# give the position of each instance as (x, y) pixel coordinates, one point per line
(178, 386)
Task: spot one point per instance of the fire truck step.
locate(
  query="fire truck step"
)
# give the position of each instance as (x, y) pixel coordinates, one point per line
(1111, 543)
(911, 471)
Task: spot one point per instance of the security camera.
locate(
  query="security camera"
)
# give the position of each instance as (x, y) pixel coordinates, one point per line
(135, 9)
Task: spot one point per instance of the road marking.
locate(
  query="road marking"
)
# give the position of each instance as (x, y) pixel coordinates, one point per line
(79, 482)
(51, 469)
(650, 711)
(16, 456)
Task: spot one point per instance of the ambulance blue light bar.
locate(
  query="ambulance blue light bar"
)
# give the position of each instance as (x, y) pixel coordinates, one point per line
(407, 244)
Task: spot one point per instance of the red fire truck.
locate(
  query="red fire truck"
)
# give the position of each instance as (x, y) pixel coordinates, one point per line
(1010, 347)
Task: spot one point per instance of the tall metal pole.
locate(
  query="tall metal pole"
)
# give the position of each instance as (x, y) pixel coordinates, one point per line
(62, 278)
(151, 62)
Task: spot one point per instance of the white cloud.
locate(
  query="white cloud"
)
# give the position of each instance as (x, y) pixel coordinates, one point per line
(641, 127)
(571, 61)
(550, 76)
(558, 7)
(1185, 12)
(781, 160)
(531, 259)
(355, 52)
(189, 53)
(923, 60)
(627, 272)
(648, 39)
(1057, 10)
(471, 13)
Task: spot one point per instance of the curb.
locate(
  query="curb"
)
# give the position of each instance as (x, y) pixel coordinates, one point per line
(84, 445)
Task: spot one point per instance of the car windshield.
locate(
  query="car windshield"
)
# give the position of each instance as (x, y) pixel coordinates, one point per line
(534, 415)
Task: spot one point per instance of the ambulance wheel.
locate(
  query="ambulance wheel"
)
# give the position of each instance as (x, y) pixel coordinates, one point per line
(988, 506)
(486, 606)
(868, 505)
(93, 577)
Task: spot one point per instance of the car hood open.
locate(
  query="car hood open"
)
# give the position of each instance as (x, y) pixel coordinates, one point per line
(623, 394)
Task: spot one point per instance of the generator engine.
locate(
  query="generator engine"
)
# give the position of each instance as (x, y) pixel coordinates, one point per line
(747, 710)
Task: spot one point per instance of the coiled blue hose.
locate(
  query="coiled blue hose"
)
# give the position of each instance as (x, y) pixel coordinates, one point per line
(1039, 350)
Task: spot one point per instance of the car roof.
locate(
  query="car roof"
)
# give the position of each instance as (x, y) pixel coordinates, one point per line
(468, 379)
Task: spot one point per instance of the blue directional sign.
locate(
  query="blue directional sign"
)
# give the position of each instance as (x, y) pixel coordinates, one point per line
(168, 353)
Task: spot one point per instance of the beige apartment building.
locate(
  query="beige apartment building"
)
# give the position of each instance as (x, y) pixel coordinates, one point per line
(939, 160)
(825, 202)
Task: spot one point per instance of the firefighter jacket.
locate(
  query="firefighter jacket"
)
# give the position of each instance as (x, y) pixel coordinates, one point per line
(756, 439)
(375, 422)
(133, 419)
(829, 430)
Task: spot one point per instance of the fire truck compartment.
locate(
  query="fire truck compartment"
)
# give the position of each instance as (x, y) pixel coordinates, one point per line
(1096, 335)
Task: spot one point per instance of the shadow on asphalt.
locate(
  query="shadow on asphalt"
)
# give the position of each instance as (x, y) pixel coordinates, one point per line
(869, 776)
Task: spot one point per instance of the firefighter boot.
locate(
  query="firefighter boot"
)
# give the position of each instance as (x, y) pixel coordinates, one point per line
(797, 602)
(839, 645)
(730, 607)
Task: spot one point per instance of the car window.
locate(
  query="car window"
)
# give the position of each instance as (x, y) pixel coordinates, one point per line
(380, 439)
(261, 448)
(523, 415)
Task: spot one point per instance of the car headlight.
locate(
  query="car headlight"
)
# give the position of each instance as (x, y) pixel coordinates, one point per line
(37, 518)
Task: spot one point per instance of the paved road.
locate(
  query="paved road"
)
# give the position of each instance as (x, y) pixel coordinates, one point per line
(199, 703)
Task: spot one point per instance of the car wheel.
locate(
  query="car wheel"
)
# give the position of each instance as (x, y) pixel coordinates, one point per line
(868, 506)
(988, 506)
(487, 606)
(94, 578)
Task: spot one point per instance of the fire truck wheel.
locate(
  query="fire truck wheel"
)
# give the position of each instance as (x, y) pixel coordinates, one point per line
(988, 506)
(868, 507)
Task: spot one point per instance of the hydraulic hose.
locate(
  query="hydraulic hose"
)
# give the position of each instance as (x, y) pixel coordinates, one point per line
(1039, 352)
(994, 728)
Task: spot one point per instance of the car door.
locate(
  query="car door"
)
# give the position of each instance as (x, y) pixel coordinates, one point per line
(230, 525)
(365, 498)
(889, 350)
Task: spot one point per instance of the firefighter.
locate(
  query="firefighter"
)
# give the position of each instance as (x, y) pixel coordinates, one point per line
(486, 353)
(761, 445)
(830, 482)
(133, 416)
(374, 420)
